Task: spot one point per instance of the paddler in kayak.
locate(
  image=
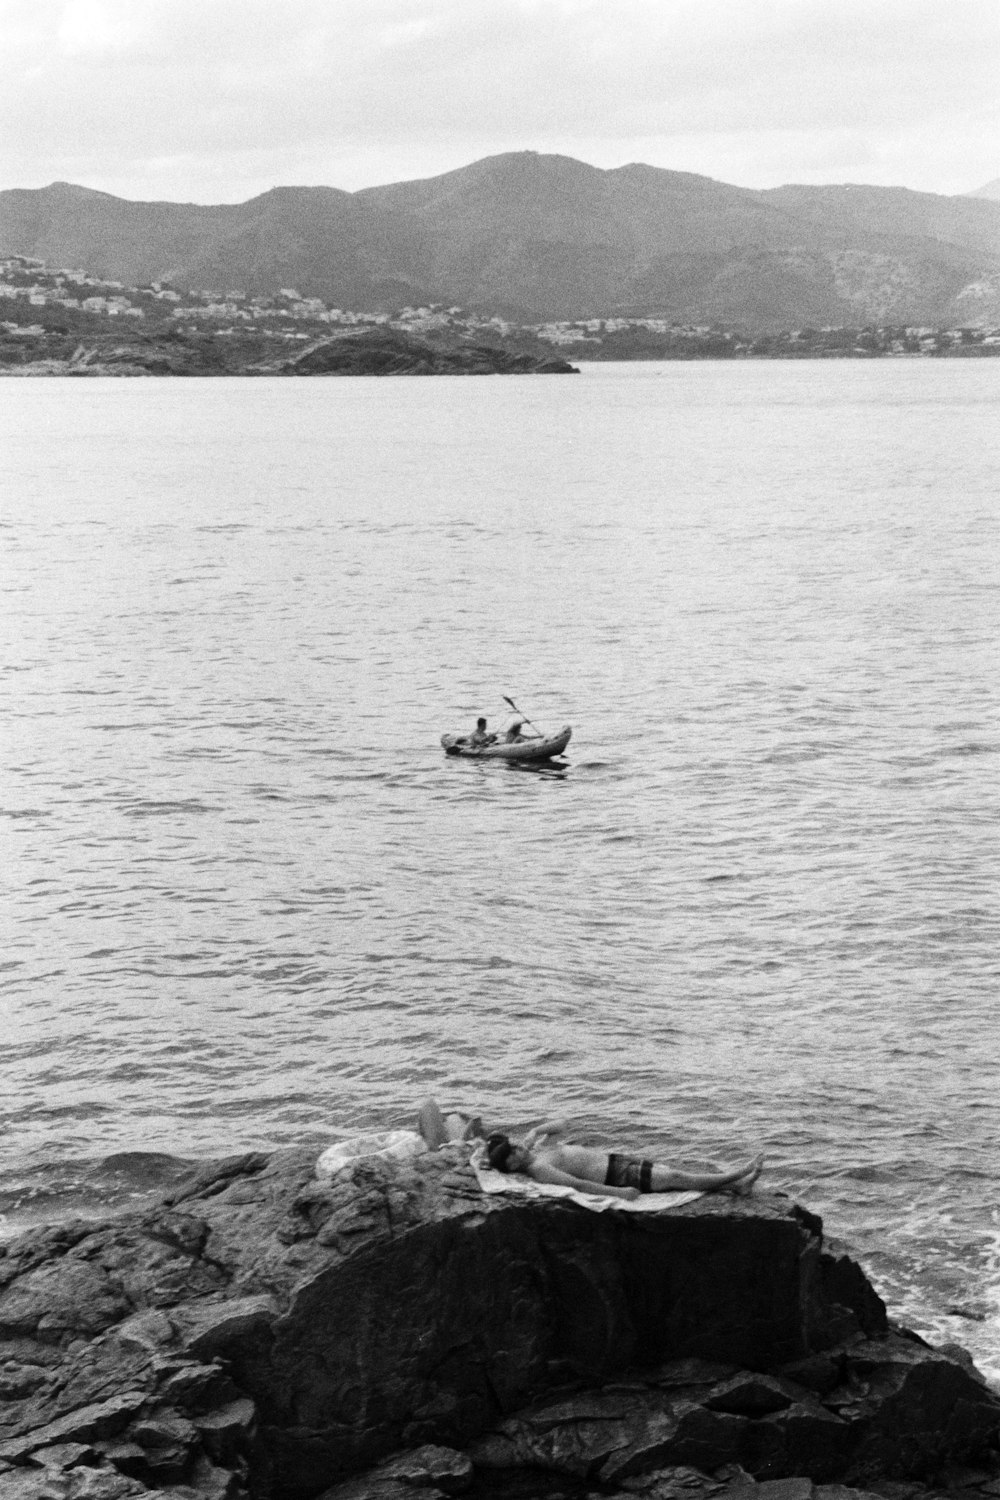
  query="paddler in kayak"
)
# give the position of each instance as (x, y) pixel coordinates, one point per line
(544, 1156)
(480, 736)
(516, 735)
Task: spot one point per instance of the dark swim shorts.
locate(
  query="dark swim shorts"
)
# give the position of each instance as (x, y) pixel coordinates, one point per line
(629, 1171)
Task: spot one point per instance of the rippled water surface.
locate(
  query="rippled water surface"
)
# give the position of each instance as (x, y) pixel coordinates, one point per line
(249, 901)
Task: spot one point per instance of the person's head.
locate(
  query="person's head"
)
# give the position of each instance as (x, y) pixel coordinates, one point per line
(515, 728)
(505, 1155)
(480, 723)
(498, 1149)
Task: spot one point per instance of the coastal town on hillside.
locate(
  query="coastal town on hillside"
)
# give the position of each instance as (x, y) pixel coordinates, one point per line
(40, 304)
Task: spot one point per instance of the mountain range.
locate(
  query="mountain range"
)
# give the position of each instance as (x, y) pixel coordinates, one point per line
(537, 237)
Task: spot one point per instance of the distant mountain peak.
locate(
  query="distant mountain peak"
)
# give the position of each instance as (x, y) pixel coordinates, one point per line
(988, 190)
(76, 190)
(288, 190)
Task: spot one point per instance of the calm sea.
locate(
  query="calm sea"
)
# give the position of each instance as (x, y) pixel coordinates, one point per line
(250, 902)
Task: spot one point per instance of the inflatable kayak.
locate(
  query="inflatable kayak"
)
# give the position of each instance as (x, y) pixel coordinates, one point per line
(543, 749)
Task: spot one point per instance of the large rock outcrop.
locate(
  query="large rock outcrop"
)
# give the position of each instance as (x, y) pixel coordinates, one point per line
(389, 351)
(262, 1331)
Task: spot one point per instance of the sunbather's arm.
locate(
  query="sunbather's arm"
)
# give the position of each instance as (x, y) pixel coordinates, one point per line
(550, 1127)
(542, 1172)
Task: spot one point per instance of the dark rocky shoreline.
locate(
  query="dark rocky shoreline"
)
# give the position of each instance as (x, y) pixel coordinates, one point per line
(366, 351)
(257, 1332)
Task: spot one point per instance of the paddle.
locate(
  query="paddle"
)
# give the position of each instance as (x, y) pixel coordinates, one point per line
(523, 716)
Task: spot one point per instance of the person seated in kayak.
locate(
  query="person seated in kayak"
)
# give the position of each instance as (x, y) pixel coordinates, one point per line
(516, 734)
(544, 1156)
(479, 735)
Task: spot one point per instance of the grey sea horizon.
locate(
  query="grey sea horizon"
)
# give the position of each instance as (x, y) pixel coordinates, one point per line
(251, 902)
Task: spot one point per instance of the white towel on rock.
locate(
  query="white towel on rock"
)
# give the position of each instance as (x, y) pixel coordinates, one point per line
(384, 1145)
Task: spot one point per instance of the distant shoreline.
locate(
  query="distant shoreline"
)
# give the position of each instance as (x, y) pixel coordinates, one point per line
(122, 361)
(69, 322)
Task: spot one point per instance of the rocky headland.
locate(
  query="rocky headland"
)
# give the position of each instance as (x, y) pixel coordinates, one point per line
(398, 1334)
(364, 351)
(386, 351)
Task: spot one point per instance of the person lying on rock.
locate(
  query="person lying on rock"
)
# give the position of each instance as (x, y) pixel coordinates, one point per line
(545, 1157)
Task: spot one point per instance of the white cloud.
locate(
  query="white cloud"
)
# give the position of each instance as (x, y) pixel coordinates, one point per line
(91, 28)
(217, 99)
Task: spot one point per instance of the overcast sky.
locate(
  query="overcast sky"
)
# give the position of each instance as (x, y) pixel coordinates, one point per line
(215, 100)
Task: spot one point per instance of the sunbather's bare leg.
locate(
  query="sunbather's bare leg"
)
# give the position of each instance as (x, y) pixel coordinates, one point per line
(463, 1127)
(669, 1180)
(437, 1128)
(743, 1186)
(431, 1124)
